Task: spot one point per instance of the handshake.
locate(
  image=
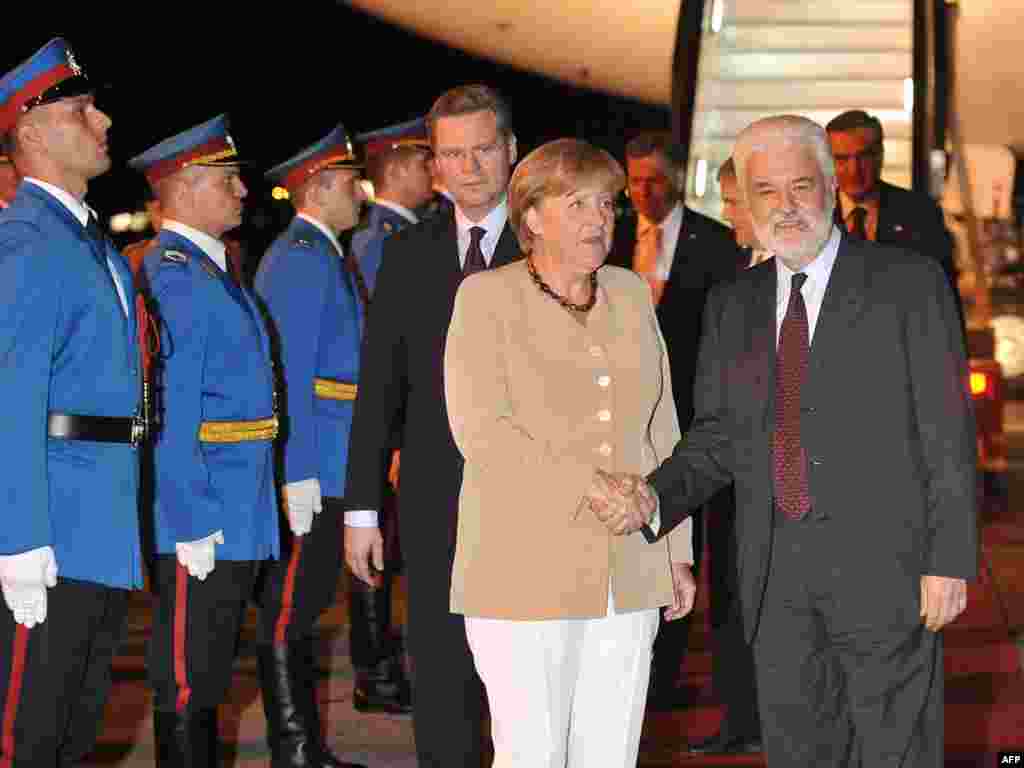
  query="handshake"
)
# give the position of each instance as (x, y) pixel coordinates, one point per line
(624, 502)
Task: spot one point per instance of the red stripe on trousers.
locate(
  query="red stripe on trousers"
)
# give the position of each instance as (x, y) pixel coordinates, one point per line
(180, 624)
(18, 654)
(284, 618)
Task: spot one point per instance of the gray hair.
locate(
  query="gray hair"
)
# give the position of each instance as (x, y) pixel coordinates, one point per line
(760, 135)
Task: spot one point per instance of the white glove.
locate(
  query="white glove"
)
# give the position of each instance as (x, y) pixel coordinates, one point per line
(198, 556)
(302, 501)
(25, 578)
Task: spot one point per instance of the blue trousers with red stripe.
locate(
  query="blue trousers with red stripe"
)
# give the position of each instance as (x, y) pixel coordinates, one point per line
(55, 677)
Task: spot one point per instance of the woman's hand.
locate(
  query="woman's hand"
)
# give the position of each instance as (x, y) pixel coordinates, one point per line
(621, 501)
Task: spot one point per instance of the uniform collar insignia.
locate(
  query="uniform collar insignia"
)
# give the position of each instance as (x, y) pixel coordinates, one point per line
(175, 257)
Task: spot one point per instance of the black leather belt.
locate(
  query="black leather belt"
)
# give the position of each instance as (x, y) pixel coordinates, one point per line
(97, 429)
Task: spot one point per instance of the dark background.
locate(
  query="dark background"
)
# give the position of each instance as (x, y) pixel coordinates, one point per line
(286, 74)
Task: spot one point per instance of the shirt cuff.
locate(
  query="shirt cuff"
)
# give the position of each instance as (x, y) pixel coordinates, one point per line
(361, 518)
(655, 521)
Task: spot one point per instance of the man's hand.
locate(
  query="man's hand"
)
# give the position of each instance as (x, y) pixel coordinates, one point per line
(199, 556)
(301, 502)
(364, 553)
(623, 502)
(393, 470)
(942, 600)
(24, 578)
(684, 589)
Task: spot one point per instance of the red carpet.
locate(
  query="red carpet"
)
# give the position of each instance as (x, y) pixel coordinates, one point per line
(984, 684)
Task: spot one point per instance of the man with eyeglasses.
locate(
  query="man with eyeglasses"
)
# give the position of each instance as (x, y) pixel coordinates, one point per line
(872, 209)
(71, 385)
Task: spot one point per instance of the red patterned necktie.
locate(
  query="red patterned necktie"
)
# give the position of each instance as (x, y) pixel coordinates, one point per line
(792, 496)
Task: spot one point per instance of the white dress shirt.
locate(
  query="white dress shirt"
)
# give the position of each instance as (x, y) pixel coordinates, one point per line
(671, 227)
(493, 222)
(81, 212)
(813, 290)
(209, 245)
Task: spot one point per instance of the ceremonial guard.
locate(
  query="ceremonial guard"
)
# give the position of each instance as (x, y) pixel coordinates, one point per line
(316, 300)
(398, 160)
(70, 380)
(216, 515)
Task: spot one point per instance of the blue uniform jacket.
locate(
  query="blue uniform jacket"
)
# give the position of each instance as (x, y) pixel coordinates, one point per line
(368, 242)
(313, 304)
(215, 365)
(66, 345)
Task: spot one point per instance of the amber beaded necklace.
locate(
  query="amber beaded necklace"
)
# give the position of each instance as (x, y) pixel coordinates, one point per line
(545, 288)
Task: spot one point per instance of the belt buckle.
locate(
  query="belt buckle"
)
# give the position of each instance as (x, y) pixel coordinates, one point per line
(140, 430)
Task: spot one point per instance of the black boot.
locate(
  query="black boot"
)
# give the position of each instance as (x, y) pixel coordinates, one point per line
(186, 741)
(381, 683)
(383, 688)
(289, 700)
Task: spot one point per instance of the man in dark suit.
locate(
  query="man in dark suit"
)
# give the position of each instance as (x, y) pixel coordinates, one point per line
(874, 210)
(682, 253)
(831, 391)
(401, 371)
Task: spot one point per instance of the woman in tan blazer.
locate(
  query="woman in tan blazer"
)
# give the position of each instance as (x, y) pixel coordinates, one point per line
(555, 372)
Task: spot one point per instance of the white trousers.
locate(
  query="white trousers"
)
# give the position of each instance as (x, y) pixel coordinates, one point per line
(565, 693)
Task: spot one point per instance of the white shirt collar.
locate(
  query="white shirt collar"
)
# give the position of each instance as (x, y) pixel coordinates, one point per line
(77, 207)
(211, 246)
(401, 210)
(324, 229)
(493, 222)
(818, 271)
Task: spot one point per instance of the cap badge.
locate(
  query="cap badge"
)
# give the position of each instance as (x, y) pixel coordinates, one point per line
(73, 64)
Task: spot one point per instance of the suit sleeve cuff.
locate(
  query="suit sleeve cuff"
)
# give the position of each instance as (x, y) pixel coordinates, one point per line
(650, 531)
(361, 518)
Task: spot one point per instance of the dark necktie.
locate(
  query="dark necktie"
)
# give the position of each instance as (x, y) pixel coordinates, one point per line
(792, 496)
(858, 222)
(474, 254)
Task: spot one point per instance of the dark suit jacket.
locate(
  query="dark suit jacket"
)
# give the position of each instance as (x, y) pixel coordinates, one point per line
(911, 220)
(886, 424)
(401, 367)
(705, 254)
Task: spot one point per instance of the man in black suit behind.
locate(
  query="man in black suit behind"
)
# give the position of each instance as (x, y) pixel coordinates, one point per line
(891, 215)
(831, 391)
(682, 253)
(401, 372)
